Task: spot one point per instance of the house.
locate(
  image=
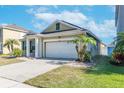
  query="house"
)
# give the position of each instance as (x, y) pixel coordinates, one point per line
(11, 31)
(103, 49)
(53, 42)
(119, 18)
(110, 48)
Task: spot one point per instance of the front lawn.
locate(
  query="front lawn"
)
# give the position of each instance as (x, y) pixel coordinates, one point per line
(5, 61)
(103, 75)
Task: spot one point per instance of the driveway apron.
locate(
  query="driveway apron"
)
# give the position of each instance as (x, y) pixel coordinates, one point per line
(23, 71)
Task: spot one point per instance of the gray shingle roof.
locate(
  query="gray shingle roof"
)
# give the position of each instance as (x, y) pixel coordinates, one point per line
(14, 26)
(83, 29)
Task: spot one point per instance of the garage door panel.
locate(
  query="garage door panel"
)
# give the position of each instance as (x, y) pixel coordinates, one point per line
(60, 50)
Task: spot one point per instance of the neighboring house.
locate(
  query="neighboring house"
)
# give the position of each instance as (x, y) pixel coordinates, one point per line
(119, 18)
(11, 31)
(110, 48)
(53, 42)
(103, 49)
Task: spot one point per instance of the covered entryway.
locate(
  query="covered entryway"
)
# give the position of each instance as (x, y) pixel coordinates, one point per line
(31, 47)
(62, 49)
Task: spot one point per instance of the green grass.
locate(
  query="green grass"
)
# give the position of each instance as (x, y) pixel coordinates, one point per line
(4, 55)
(103, 75)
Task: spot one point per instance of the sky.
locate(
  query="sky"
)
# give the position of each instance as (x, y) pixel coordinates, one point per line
(98, 19)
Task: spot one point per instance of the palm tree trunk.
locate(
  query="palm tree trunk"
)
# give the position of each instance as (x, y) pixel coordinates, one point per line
(12, 47)
(82, 53)
(77, 50)
(8, 48)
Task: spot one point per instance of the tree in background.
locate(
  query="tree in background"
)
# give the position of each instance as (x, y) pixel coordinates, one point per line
(9, 43)
(118, 52)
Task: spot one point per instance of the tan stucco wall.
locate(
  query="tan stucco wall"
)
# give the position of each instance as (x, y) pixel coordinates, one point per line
(11, 34)
(103, 49)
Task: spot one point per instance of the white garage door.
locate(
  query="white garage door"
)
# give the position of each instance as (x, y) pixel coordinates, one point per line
(60, 50)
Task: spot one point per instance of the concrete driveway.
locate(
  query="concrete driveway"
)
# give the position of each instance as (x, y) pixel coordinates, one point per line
(6, 83)
(26, 70)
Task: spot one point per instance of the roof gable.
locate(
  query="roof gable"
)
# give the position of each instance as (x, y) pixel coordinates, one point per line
(67, 27)
(63, 27)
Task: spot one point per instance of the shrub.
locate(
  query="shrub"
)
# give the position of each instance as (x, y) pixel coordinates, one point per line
(118, 57)
(17, 52)
(87, 56)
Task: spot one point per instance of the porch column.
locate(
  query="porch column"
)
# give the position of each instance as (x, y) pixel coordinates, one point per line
(36, 48)
(27, 47)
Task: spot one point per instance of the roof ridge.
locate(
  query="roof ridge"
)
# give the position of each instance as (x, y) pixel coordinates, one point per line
(80, 28)
(73, 24)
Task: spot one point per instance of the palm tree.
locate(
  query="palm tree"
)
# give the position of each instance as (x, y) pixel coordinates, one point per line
(119, 41)
(13, 42)
(81, 42)
(7, 44)
(10, 44)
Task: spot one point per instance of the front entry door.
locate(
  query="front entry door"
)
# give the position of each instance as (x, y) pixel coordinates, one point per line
(32, 47)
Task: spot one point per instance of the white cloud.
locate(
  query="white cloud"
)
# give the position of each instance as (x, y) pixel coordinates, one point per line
(35, 10)
(103, 30)
(38, 26)
(30, 11)
(74, 17)
(41, 9)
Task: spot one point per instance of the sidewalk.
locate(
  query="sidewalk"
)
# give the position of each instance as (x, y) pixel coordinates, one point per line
(6, 83)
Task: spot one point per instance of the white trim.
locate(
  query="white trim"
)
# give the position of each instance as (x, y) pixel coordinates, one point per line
(59, 39)
(36, 48)
(27, 47)
(43, 50)
(63, 33)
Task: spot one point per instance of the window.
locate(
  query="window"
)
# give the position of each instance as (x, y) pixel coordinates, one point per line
(32, 46)
(57, 26)
(23, 45)
(0, 46)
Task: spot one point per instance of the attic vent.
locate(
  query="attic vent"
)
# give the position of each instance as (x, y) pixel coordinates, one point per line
(57, 26)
